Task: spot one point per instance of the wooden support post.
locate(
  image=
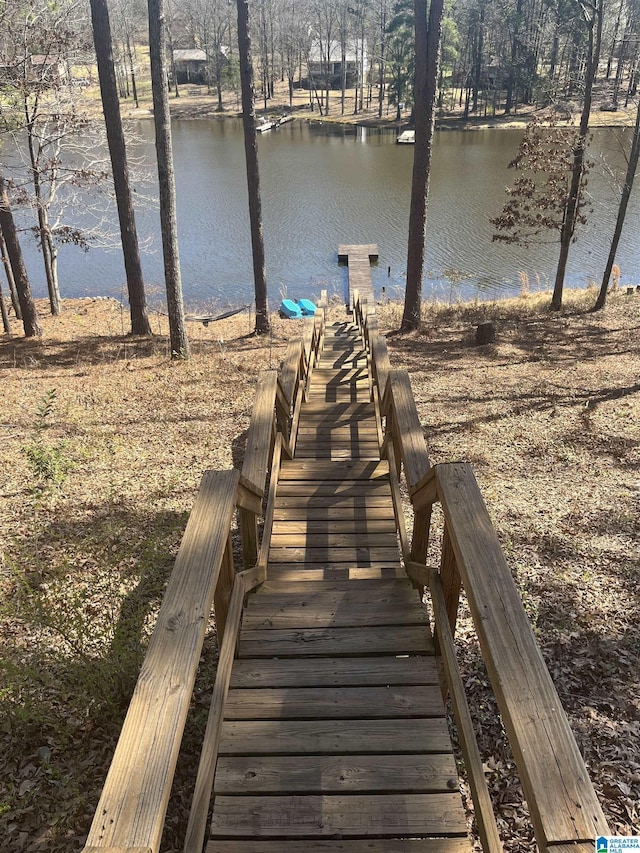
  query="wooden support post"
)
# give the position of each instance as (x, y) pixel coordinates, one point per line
(248, 523)
(420, 537)
(487, 828)
(222, 594)
(451, 582)
(196, 827)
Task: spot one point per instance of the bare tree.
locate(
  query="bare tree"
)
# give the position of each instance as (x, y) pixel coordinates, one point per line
(9, 234)
(166, 179)
(118, 154)
(253, 175)
(632, 166)
(426, 81)
(593, 19)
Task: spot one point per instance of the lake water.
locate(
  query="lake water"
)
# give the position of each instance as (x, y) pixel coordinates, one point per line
(321, 188)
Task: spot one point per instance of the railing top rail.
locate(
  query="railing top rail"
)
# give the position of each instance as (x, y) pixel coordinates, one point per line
(562, 802)
(133, 804)
(399, 402)
(259, 437)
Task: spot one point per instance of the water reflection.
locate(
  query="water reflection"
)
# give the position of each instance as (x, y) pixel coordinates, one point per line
(322, 187)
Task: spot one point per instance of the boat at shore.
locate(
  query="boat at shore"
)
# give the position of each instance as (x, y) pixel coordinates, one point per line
(407, 137)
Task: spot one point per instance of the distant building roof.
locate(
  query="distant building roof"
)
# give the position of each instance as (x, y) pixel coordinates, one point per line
(194, 55)
(318, 51)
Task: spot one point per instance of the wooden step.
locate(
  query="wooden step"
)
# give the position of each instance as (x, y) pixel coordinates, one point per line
(311, 816)
(370, 845)
(328, 703)
(335, 642)
(335, 737)
(333, 672)
(327, 472)
(334, 571)
(335, 774)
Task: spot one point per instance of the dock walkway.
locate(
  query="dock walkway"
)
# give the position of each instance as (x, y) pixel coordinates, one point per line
(334, 725)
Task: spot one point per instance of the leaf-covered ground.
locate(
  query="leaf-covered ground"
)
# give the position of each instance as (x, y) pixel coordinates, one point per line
(104, 442)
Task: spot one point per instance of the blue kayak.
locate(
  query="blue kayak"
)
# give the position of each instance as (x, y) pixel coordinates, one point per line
(290, 310)
(307, 307)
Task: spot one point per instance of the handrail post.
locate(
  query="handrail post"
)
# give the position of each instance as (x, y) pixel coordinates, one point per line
(222, 594)
(450, 578)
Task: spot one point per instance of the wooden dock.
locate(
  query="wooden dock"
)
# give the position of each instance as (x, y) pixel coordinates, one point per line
(327, 730)
(358, 258)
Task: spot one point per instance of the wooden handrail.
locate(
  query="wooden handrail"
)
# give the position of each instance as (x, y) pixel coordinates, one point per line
(133, 804)
(564, 808)
(561, 799)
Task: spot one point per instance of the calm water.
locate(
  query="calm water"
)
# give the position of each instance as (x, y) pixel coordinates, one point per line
(320, 189)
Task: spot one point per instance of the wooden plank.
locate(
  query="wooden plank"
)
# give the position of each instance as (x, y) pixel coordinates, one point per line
(336, 774)
(330, 815)
(355, 555)
(348, 411)
(273, 491)
(560, 796)
(370, 452)
(309, 471)
(339, 491)
(369, 615)
(410, 436)
(333, 672)
(373, 588)
(327, 510)
(329, 539)
(134, 800)
(334, 737)
(197, 824)
(257, 453)
(290, 373)
(326, 703)
(586, 847)
(317, 524)
(370, 845)
(116, 850)
(380, 362)
(318, 642)
(377, 596)
(483, 810)
(328, 571)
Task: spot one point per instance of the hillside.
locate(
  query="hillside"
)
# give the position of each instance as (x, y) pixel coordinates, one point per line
(105, 440)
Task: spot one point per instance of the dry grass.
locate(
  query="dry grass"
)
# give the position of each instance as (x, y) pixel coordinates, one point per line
(91, 518)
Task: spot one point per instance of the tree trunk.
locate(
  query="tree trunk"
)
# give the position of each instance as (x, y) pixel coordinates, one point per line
(5, 317)
(632, 166)
(253, 175)
(427, 59)
(166, 179)
(8, 228)
(119, 166)
(10, 279)
(572, 208)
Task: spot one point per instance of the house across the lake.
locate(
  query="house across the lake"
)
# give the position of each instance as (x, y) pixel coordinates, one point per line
(325, 63)
(190, 65)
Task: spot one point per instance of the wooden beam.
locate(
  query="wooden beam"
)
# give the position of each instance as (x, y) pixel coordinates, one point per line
(258, 450)
(134, 800)
(197, 824)
(409, 434)
(561, 798)
(483, 810)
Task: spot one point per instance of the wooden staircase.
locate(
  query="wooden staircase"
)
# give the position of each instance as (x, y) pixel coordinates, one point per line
(327, 729)
(334, 727)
